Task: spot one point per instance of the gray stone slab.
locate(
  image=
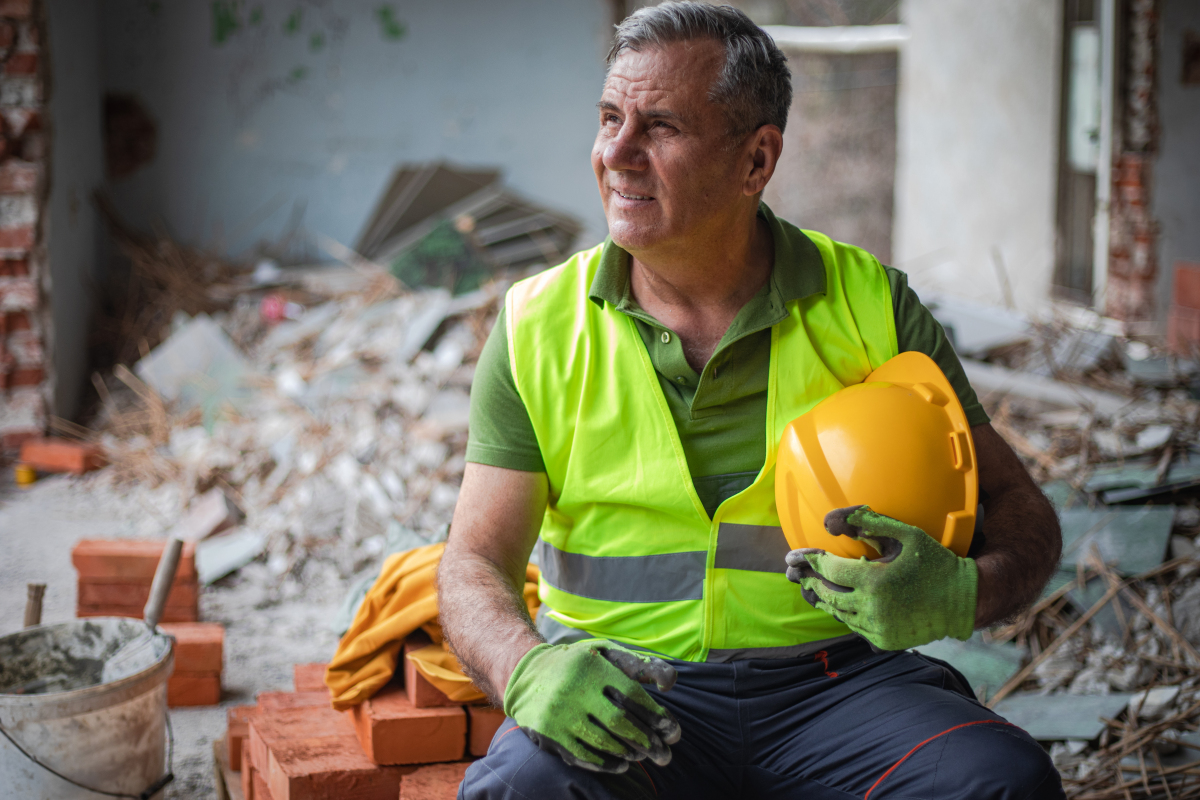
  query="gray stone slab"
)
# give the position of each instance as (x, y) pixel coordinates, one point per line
(1058, 717)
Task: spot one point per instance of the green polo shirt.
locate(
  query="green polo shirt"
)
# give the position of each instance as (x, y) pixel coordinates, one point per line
(720, 413)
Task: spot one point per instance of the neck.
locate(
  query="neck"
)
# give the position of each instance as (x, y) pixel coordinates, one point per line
(717, 273)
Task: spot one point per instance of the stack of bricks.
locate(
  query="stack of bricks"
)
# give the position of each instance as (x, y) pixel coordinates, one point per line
(115, 577)
(23, 378)
(408, 741)
(1183, 320)
(199, 658)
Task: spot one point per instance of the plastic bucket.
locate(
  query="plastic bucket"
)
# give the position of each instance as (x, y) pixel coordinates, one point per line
(109, 737)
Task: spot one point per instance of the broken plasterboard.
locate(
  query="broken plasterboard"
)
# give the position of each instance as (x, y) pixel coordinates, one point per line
(986, 666)
(989, 379)
(975, 328)
(1131, 539)
(197, 366)
(1059, 717)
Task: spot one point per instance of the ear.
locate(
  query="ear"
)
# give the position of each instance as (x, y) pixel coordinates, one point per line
(764, 147)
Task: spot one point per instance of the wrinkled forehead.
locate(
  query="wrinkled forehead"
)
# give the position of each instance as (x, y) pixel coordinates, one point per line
(683, 70)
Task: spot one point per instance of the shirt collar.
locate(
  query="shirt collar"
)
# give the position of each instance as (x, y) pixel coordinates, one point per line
(798, 271)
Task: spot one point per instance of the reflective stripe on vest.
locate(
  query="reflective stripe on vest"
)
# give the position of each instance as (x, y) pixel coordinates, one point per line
(627, 550)
(663, 577)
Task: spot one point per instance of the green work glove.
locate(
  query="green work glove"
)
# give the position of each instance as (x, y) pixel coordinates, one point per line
(585, 702)
(916, 593)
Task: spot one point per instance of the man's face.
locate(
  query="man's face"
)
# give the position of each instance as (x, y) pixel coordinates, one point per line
(663, 157)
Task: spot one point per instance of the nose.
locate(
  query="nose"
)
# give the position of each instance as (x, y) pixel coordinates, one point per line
(625, 150)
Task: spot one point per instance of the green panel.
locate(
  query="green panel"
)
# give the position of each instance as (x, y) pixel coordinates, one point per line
(1058, 717)
(985, 666)
(1132, 539)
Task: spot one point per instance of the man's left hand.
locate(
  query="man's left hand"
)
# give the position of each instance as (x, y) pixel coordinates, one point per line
(915, 593)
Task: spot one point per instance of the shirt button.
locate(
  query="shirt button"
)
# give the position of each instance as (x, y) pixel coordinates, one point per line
(681, 379)
(666, 338)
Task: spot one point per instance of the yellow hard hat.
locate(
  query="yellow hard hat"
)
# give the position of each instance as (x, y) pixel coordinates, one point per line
(898, 442)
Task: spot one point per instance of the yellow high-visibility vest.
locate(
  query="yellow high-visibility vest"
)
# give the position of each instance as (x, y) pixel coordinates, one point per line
(626, 548)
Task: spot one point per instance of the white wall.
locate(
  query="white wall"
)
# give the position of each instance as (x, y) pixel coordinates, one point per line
(259, 119)
(1176, 187)
(977, 124)
(75, 171)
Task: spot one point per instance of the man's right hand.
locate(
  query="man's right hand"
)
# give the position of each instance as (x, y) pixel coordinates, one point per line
(585, 702)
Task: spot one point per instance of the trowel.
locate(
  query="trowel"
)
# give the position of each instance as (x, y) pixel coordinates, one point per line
(140, 652)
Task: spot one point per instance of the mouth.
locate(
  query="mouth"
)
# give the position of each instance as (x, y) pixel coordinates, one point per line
(631, 196)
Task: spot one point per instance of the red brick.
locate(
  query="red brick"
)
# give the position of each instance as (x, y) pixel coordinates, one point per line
(128, 559)
(247, 770)
(28, 376)
(1183, 330)
(62, 455)
(18, 238)
(183, 594)
(21, 64)
(1187, 285)
(17, 320)
(482, 724)
(16, 9)
(434, 782)
(309, 677)
(392, 731)
(8, 35)
(274, 701)
(421, 693)
(262, 791)
(312, 754)
(193, 689)
(18, 177)
(237, 726)
(199, 646)
(170, 613)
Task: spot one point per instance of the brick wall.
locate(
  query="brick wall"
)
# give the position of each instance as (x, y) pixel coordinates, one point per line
(1133, 232)
(23, 157)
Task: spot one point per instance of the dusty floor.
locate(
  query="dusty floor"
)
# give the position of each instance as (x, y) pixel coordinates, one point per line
(38, 528)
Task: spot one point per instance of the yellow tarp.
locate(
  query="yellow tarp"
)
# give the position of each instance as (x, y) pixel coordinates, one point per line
(403, 599)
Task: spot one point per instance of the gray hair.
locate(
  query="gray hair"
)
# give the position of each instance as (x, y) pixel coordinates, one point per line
(755, 85)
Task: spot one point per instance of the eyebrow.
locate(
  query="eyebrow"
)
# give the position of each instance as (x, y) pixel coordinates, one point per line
(654, 113)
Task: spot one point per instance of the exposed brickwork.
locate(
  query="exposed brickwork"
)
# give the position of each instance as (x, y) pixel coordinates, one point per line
(24, 363)
(1133, 233)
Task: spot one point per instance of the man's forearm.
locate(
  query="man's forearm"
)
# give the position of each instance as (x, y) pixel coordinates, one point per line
(1022, 550)
(484, 618)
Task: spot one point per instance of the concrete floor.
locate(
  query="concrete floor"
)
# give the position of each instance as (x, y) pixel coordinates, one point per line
(263, 639)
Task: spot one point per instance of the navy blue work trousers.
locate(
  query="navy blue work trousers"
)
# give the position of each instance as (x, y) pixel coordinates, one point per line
(847, 723)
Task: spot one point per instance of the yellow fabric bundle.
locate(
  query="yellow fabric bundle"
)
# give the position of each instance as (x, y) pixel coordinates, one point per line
(403, 599)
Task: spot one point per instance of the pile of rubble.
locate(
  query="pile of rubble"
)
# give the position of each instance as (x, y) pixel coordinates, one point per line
(339, 433)
(1105, 668)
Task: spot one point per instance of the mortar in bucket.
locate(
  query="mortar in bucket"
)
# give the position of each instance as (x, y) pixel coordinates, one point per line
(62, 729)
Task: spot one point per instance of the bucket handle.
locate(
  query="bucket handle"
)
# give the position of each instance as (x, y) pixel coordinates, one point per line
(150, 790)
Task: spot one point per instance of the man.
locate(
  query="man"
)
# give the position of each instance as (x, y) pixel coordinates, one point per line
(625, 414)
